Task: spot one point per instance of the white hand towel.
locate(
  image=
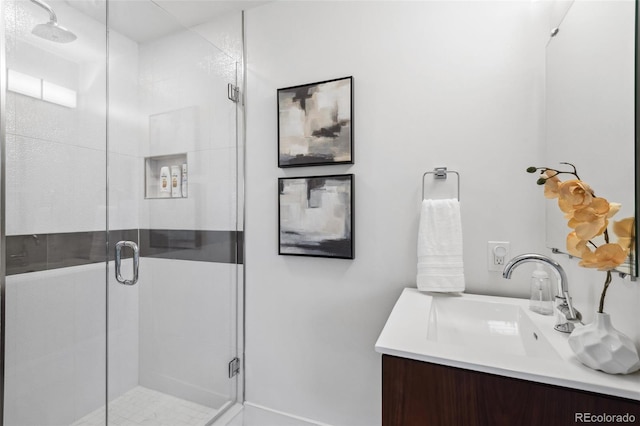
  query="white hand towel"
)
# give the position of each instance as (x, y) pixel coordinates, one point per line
(440, 265)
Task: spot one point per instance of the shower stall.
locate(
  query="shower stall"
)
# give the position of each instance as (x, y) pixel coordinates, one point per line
(120, 213)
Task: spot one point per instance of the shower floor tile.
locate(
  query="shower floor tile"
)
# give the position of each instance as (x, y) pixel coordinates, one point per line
(145, 407)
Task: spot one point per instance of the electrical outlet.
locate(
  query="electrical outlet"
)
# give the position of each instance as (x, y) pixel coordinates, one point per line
(497, 255)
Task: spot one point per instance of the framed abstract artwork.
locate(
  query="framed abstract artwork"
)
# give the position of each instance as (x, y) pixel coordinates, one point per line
(315, 124)
(316, 216)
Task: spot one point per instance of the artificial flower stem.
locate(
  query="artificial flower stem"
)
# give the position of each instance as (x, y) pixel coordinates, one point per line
(558, 172)
(575, 171)
(604, 292)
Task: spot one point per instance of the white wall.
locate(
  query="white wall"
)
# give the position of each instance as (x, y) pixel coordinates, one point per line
(436, 83)
(454, 84)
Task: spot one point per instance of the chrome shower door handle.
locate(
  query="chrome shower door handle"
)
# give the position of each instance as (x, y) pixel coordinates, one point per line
(136, 262)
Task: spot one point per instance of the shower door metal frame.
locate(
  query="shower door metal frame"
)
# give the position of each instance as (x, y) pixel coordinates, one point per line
(106, 200)
(3, 239)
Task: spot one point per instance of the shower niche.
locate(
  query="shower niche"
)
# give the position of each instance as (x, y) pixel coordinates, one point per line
(166, 176)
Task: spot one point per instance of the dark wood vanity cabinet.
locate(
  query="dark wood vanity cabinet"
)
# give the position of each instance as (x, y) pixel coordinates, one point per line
(425, 394)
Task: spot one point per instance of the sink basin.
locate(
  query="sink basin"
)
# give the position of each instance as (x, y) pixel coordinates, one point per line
(495, 335)
(487, 326)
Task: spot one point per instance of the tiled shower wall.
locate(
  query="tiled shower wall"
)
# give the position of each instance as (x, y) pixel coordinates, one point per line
(183, 99)
(56, 186)
(56, 183)
(45, 191)
(187, 309)
(55, 352)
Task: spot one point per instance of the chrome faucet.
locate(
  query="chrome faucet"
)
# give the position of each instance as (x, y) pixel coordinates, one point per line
(566, 314)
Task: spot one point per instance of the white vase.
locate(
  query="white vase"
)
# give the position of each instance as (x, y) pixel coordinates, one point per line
(600, 346)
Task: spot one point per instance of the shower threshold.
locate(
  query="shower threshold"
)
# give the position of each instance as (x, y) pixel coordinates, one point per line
(141, 406)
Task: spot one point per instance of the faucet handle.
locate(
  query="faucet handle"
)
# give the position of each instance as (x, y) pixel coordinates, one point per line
(566, 320)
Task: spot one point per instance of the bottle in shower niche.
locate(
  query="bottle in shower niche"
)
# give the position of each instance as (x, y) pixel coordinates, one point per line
(184, 180)
(176, 178)
(165, 182)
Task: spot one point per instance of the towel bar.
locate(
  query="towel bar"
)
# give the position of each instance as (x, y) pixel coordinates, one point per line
(440, 173)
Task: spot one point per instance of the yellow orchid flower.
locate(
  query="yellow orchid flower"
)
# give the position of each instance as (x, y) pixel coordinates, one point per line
(551, 183)
(606, 257)
(588, 216)
(591, 220)
(613, 209)
(624, 229)
(575, 245)
(575, 193)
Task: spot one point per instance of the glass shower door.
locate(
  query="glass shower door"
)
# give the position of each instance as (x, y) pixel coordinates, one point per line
(54, 140)
(172, 190)
(130, 137)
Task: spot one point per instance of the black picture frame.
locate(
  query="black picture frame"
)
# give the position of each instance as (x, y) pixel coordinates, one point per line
(315, 123)
(316, 216)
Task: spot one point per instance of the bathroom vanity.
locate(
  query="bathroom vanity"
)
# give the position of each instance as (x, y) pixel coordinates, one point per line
(483, 360)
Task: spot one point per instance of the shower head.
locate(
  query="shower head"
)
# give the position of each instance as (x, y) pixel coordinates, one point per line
(54, 32)
(51, 30)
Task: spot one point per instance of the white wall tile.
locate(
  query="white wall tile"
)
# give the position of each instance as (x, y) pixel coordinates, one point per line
(175, 131)
(126, 182)
(224, 32)
(89, 377)
(193, 88)
(212, 188)
(10, 112)
(187, 329)
(43, 120)
(182, 53)
(41, 396)
(125, 118)
(210, 204)
(89, 307)
(183, 97)
(185, 102)
(45, 64)
(46, 193)
(123, 331)
(56, 355)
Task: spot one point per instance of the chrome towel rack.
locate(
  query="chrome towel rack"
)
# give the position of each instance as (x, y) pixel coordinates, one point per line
(440, 173)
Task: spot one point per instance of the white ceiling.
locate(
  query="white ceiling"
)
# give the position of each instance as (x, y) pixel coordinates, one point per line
(145, 20)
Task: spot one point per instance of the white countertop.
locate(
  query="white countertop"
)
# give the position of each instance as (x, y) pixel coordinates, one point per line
(405, 335)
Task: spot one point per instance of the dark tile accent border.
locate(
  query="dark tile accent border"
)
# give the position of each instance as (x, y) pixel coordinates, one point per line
(39, 252)
(203, 246)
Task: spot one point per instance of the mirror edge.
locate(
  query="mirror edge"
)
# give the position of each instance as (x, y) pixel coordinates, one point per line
(634, 272)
